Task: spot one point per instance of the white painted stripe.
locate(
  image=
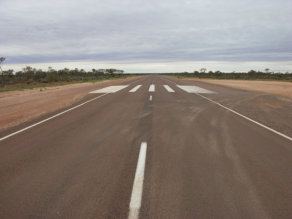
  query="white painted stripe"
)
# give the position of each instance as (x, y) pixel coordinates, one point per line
(195, 89)
(110, 89)
(137, 190)
(150, 98)
(59, 114)
(247, 118)
(152, 88)
(54, 116)
(243, 116)
(169, 89)
(135, 88)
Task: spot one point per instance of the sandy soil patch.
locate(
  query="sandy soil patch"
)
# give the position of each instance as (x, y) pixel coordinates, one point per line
(17, 107)
(272, 87)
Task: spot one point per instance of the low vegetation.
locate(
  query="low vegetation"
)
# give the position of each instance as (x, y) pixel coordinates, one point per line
(251, 75)
(30, 77)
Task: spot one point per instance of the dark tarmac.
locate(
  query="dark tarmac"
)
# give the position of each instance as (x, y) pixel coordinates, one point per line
(203, 161)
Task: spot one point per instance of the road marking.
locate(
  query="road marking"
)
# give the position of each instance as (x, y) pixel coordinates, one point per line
(59, 114)
(54, 116)
(137, 190)
(247, 118)
(152, 88)
(110, 89)
(195, 89)
(169, 89)
(243, 116)
(135, 88)
(150, 98)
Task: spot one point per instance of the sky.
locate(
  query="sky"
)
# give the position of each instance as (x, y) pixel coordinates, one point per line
(147, 35)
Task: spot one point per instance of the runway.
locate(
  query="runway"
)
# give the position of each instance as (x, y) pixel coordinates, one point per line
(158, 147)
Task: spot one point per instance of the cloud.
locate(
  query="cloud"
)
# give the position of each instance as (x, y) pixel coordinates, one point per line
(145, 31)
(161, 67)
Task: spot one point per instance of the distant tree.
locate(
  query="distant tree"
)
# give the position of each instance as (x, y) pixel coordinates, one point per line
(28, 73)
(252, 72)
(39, 75)
(51, 70)
(2, 59)
(28, 69)
(75, 71)
(101, 71)
(64, 71)
(110, 71)
(267, 70)
(8, 76)
(120, 71)
(203, 70)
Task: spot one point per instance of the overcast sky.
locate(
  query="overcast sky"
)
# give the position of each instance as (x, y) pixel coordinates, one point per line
(148, 35)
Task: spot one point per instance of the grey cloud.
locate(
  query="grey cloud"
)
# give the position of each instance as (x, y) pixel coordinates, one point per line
(197, 30)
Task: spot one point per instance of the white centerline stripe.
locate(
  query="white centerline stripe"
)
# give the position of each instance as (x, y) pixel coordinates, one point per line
(150, 98)
(245, 117)
(59, 114)
(135, 88)
(137, 190)
(152, 88)
(169, 89)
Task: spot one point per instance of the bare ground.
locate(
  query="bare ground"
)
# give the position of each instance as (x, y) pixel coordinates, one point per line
(272, 87)
(17, 107)
(21, 106)
(268, 102)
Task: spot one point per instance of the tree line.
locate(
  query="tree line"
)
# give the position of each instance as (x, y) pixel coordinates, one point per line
(30, 75)
(251, 75)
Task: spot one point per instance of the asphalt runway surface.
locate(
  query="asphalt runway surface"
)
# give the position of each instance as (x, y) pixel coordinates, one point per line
(158, 147)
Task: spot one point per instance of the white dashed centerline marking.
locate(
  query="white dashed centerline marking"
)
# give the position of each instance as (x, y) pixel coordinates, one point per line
(150, 98)
(137, 190)
(135, 88)
(152, 88)
(169, 89)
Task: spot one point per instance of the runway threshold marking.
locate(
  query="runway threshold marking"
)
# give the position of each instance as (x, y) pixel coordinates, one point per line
(58, 114)
(152, 88)
(195, 89)
(243, 116)
(110, 89)
(135, 89)
(169, 89)
(136, 197)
